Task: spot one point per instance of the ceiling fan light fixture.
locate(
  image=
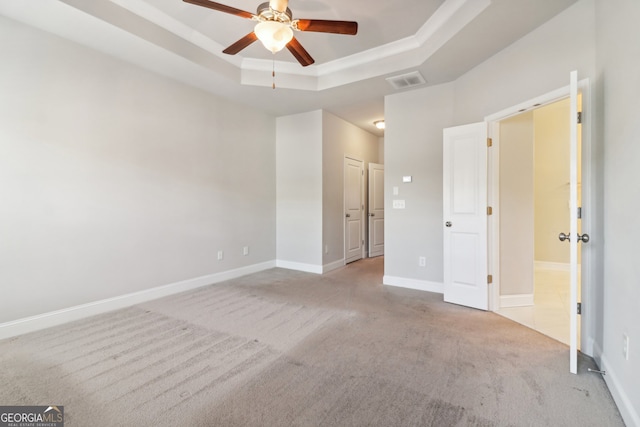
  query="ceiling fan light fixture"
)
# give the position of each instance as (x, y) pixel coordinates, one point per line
(379, 124)
(274, 35)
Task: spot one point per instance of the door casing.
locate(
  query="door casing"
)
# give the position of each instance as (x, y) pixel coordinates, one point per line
(588, 187)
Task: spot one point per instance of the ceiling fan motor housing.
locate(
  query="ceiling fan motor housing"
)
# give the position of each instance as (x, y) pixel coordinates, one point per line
(268, 14)
(276, 25)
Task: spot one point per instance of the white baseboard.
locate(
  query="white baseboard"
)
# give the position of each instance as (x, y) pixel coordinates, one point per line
(625, 405)
(597, 354)
(587, 346)
(420, 285)
(58, 317)
(298, 266)
(520, 300)
(310, 268)
(333, 266)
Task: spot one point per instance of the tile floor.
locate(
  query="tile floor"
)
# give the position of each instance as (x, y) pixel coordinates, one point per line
(550, 313)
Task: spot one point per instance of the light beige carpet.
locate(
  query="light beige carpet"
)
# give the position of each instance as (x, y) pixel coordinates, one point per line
(282, 348)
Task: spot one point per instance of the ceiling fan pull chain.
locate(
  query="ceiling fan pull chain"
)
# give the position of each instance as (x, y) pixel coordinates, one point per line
(273, 74)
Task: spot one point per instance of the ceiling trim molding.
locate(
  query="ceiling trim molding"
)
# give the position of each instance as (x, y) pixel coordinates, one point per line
(451, 17)
(409, 52)
(161, 19)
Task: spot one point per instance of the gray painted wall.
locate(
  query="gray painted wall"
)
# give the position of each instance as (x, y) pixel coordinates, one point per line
(340, 139)
(310, 159)
(141, 189)
(534, 65)
(413, 147)
(618, 61)
(537, 64)
(299, 189)
(116, 180)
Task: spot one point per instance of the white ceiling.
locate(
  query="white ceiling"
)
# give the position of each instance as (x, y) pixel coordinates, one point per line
(442, 39)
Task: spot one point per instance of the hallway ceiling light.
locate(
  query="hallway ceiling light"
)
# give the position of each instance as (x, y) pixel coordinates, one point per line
(379, 124)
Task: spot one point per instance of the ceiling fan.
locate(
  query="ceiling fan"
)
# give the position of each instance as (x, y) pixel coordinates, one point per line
(276, 25)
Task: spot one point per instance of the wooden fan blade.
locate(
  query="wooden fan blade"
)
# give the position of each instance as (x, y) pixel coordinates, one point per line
(299, 52)
(221, 8)
(241, 44)
(324, 26)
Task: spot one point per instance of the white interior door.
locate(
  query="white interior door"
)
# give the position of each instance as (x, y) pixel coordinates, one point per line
(465, 215)
(376, 209)
(573, 222)
(354, 209)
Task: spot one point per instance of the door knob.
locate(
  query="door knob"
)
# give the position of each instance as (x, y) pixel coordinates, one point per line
(448, 224)
(372, 214)
(584, 238)
(348, 215)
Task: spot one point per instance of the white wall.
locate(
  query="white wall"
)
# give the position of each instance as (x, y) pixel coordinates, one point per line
(618, 61)
(299, 190)
(116, 180)
(340, 139)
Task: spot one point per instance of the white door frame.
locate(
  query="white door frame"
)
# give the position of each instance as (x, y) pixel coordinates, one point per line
(588, 188)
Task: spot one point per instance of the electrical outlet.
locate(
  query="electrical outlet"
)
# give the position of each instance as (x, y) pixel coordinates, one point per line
(245, 250)
(422, 261)
(625, 346)
(220, 255)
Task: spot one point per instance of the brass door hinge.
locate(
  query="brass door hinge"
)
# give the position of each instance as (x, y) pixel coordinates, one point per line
(490, 279)
(489, 142)
(489, 210)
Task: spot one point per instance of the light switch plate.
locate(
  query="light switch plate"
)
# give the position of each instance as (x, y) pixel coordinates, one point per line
(398, 204)
(408, 178)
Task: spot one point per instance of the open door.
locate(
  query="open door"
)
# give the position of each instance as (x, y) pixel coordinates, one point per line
(465, 215)
(573, 222)
(376, 210)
